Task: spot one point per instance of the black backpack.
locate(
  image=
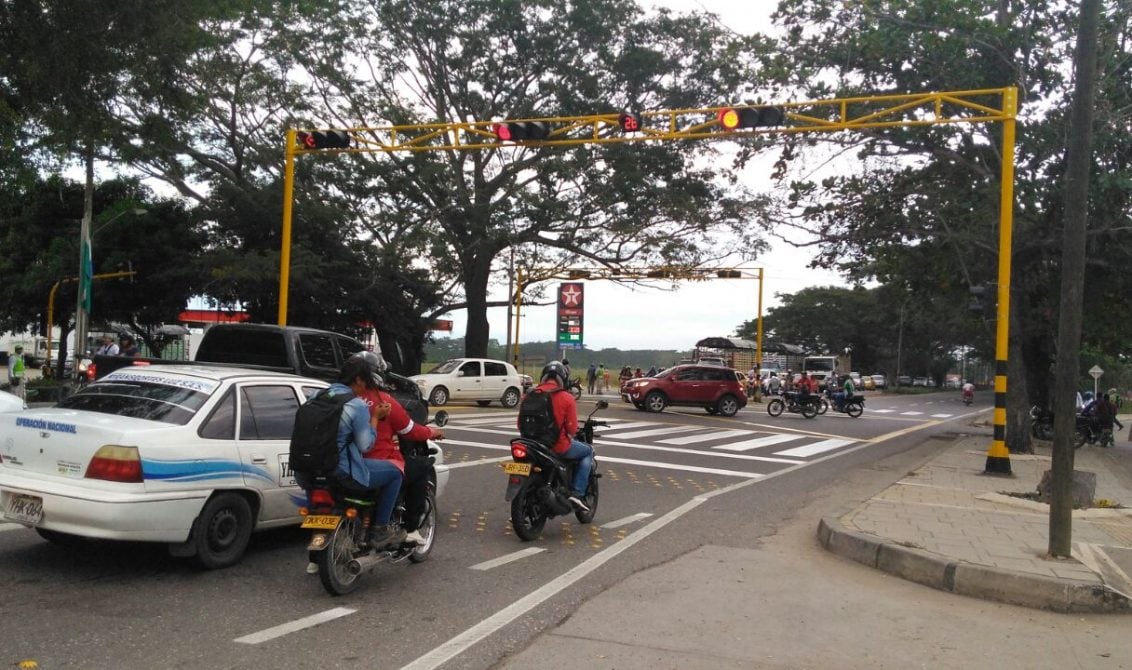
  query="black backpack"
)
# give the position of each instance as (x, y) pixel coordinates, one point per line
(314, 438)
(536, 417)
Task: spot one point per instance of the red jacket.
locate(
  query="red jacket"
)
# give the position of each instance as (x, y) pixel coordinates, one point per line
(399, 423)
(565, 414)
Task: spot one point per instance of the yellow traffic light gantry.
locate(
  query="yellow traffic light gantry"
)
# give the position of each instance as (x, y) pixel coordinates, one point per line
(993, 105)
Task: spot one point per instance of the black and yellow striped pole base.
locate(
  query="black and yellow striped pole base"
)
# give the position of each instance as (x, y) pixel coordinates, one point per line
(998, 456)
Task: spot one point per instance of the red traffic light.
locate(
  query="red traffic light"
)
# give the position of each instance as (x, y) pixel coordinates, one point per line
(630, 122)
(324, 139)
(518, 131)
(733, 118)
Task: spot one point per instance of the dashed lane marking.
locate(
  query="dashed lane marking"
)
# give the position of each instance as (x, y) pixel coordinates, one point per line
(296, 625)
(639, 516)
(508, 558)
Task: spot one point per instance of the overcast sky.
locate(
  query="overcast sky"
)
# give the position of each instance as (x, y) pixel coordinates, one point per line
(652, 318)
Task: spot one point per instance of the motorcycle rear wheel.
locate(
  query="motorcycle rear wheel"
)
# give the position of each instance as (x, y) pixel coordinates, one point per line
(823, 406)
(333, 561)
(775, 407)
(854, 409)
(528, 517)
(590, 500)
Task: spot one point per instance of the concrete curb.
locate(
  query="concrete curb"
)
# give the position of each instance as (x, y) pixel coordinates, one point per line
(969, 579)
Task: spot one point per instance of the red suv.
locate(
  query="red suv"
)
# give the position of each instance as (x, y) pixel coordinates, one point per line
(714, 388)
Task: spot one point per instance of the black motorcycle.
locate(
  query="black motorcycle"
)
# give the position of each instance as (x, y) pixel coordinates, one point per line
(853, 405)
(1041, 423)
(340, 515)
(1088, 431)
(793, 402)
(538, 484)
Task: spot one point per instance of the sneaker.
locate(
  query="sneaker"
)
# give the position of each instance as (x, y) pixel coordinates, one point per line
(312, 568)
(415, 537)
(383, 535)
(578, 503)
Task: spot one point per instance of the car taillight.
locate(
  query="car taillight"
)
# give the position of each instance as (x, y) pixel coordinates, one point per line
(518, 450)
(115, 464)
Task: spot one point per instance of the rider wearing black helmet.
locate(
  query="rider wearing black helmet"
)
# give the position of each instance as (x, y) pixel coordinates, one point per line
(555, 376)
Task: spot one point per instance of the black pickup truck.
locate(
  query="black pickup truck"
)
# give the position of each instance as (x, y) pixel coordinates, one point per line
(302, 351)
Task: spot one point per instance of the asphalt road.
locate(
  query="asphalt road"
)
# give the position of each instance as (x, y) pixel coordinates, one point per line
(484, 595)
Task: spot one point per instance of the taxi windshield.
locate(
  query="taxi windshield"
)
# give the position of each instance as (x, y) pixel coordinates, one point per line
(141, 400)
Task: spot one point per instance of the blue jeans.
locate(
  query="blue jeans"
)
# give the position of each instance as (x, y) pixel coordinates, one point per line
(584, 455)
(387, 476)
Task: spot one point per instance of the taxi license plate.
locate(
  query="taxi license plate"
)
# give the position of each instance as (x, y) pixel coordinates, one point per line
(517, 468)
(320, 521)
(25, 509)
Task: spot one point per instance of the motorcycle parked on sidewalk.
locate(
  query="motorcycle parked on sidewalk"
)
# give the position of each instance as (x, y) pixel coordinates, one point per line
(790, 402)
(539, 480)
(1041, 423)
(340, 519)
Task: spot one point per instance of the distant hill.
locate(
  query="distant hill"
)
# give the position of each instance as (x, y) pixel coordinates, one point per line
(535, 354)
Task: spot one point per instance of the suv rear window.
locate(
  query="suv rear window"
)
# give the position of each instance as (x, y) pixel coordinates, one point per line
(249, 347)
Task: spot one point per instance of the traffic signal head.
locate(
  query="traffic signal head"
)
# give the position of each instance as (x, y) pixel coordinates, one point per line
(751, 117)
(630, 122)
(728, 274)
(518, 131)
(324, 139)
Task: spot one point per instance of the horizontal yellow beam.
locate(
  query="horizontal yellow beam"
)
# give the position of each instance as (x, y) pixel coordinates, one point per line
(920, 109)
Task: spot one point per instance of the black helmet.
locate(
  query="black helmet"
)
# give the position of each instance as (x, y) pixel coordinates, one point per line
(365, 364)
(556, 371)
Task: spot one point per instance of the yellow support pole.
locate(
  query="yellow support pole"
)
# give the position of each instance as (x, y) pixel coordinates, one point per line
(998, 456)
(285, 251)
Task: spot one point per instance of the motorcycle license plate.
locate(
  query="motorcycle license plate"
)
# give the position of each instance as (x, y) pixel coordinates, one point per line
(320, 521)
(513, 468)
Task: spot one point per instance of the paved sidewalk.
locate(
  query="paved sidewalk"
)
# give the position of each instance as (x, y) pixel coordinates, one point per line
(949, 526)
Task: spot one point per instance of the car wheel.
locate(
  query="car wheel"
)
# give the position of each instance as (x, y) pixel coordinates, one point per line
(655, 402)
(427, 530)
(483, 403)
(438, 397)
(775, 407)
(728, 405)
(222, 530)
(511, 397)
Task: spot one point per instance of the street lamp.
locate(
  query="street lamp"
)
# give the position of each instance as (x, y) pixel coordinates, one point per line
(86, 275)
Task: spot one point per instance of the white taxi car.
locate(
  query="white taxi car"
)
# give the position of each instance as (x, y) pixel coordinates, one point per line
(480, 379)
(193, 456)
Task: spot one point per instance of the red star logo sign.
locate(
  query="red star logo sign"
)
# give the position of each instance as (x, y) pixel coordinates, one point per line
(571, 296)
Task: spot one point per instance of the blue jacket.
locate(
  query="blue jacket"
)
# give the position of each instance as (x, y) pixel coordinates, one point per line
(355, 436)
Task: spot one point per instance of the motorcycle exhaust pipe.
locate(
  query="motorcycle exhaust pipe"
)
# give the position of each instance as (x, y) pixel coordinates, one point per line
(365, 563)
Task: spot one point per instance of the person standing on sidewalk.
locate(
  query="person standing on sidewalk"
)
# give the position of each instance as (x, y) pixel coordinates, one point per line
(16, 372)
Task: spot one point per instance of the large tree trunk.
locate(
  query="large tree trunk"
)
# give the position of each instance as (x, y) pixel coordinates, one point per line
(477, 271)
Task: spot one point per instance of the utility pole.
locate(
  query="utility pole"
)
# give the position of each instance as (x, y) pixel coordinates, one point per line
(1078, 159)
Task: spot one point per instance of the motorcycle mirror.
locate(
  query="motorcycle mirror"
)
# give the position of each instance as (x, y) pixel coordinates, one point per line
(602, 404)
(441, 418)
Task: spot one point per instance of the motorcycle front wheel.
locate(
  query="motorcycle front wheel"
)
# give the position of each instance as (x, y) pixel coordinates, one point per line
(333, 561)
(809, 410)
(823, 406)
(528, 517)
(427, 530)
(775, 407)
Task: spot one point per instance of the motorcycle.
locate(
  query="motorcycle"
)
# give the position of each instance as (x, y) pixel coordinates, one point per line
(809, 407)
(538, 484)
(854, 406)
(1041, 423)
(968, 397)
(339, 520)
(576, 387)
(1089, 432)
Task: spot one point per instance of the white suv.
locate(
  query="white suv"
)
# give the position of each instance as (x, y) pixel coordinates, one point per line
(480, 379)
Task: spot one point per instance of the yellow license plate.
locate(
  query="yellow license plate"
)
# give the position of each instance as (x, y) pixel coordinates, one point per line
(320, 521)
(517, 468)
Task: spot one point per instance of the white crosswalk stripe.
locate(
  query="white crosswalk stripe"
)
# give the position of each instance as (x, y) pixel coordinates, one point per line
(707, 437)
(815, 448)
(668, 430)
(769, 440)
